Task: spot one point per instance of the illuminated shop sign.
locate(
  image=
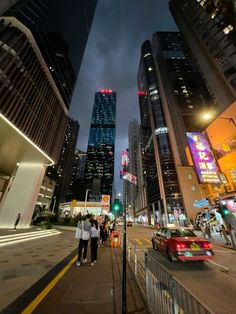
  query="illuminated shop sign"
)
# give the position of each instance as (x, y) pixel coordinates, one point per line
(125, 175)
(203, 158)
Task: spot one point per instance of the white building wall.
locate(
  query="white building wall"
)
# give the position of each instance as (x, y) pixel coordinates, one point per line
(22, 196)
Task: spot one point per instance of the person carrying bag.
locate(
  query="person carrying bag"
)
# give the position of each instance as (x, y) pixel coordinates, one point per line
(83, 233)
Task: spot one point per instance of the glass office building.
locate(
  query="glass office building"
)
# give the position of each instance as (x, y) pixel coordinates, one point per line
(99, 169)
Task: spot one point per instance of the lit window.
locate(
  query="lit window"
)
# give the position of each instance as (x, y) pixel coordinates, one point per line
(228, 29)
(150, 69)
(190, 176)
(193, 188)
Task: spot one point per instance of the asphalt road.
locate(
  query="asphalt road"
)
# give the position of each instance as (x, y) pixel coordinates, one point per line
(214, 282)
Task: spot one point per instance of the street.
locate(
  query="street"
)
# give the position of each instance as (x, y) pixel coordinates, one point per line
(213, 282)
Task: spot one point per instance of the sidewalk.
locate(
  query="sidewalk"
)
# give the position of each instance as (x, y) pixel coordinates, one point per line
(83, 289)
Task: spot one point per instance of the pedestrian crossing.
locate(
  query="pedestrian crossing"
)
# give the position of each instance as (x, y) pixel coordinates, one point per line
(7, 240)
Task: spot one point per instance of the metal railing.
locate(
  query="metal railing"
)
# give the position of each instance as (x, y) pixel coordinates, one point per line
(164, 293)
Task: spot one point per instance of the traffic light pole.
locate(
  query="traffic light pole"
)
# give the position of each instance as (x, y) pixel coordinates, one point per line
(124, 264)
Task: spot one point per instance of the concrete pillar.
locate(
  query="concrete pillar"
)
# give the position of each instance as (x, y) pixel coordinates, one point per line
(22, 195)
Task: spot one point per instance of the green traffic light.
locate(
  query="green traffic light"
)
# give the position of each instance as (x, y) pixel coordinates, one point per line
(116, 207)
(225, 211)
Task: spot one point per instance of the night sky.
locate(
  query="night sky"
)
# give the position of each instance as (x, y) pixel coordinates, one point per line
(111, 61)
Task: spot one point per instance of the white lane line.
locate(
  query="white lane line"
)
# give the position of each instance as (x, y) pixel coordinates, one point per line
(226, 268)
(28, 239)
(26, 236)
(25, 233)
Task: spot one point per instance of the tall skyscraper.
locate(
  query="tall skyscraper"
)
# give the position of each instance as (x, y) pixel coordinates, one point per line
(134, 146)
(77, 188)
(99, 169)
(176, 95)
(209, 28)
(38, 72)
(64, 168)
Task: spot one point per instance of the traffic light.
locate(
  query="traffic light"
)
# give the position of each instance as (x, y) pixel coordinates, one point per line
(225, 211)
(116, 206)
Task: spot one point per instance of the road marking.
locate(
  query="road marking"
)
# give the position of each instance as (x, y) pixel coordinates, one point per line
(148, 241)
(31, 307)
(226, 268)
(138, 241)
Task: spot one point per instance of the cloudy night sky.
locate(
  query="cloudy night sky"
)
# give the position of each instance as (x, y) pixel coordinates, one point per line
(111, 61)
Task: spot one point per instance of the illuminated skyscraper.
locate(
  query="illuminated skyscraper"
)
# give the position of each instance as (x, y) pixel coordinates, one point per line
(99, 169)
(172, 94)
(209, 27)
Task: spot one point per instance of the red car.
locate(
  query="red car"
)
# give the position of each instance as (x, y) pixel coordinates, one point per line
(182, 244)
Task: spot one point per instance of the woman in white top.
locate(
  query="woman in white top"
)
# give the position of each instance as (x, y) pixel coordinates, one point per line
(94, 241)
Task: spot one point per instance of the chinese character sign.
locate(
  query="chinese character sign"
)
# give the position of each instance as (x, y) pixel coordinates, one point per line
(125, 158)
(203, 158)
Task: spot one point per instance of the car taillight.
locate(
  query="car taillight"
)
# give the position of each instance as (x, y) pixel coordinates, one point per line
(207, 245)
(181, 246)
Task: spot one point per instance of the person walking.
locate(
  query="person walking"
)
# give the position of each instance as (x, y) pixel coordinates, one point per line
(17, 220)
(94, 241)
(223, 231)
(84, 234)
(208, 232)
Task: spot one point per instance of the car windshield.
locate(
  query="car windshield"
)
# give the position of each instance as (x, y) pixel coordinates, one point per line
(182, 233)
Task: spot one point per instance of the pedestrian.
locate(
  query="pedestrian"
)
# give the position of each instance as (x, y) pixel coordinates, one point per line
(94, 241)
(203, 229)
(112, 227)
(103, 233)
(208, 232)
(83, 234)
(17, 220)
(223, 231)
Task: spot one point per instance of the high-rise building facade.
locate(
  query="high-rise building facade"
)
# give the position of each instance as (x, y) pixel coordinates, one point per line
(176, 94)
(77, 187)
(209, 28)
(134, 146)
(64, 167)
(36, 82)
(99, 169)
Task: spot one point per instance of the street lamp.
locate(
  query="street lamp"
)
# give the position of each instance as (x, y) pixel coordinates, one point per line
(86, 197)
(54, 203)
(208, 116)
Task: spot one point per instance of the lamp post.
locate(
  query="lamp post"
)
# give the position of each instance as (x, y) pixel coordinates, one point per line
(54, 203)
(86, 197)
(124, 263)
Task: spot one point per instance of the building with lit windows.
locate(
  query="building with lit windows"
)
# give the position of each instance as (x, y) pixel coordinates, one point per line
(209, 28)
(62, 172)
(77, 187)
(99, 168)
(37, 77)
(175, 94)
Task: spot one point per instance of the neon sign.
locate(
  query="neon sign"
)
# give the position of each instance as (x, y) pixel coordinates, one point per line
(141, 93)
(105, 91)
(203, 158)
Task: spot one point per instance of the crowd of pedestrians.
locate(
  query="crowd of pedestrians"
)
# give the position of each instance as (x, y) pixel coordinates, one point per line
(88, 229)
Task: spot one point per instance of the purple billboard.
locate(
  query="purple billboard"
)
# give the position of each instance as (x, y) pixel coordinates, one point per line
(203, 158)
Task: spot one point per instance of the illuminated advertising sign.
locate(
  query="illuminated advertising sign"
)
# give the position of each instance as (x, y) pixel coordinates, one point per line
(125, 158)
(105, 201)
(203, 158)
(125, 175)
